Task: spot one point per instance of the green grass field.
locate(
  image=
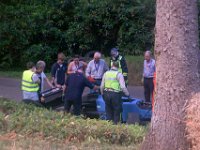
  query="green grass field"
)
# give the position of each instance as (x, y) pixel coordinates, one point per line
(23, 126)
(135, 66)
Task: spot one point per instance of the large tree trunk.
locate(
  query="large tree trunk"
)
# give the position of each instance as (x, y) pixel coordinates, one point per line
(176, 50)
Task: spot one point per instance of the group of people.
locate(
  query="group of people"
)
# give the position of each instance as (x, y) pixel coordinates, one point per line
(111, 80)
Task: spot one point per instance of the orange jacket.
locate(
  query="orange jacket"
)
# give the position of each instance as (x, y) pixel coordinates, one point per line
(154, 92)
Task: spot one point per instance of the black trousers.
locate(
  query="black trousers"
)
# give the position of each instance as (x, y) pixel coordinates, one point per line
(113, 104)
(76, 106)
(148, 89)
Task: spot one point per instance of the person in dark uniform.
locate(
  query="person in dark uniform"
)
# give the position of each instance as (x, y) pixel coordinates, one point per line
(75, 84)
(116, 57)
(58, 71)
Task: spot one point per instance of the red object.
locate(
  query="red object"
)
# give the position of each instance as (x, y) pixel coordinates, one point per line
(91, 79)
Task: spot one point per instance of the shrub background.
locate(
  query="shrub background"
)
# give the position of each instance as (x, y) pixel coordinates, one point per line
(35, 29)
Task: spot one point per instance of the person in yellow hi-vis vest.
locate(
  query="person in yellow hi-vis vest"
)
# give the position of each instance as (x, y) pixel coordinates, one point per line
(112, 86)
(115, 56)
(30, 83)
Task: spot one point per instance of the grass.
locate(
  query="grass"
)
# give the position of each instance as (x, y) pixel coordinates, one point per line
(11, 74)
(15, 74)
(135, 66)
(35, 144)
(32, 123)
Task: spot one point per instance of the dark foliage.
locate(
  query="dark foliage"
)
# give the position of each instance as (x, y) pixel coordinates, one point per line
(35, 29)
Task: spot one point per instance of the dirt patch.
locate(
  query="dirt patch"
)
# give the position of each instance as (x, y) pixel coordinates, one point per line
(193, 122)
(8, 136)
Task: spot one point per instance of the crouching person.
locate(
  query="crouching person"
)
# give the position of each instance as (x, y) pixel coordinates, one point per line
(30, 84)
(75, 84)
(111, 87)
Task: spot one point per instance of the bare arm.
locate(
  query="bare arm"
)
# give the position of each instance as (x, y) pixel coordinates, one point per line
(84, 64)
(48, 82)
(69, 70)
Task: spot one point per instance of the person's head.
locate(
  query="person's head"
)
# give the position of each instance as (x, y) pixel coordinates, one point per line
(40, 66)
(147, 55)
(76, 59)
(30, 65)
(114, 52)
(97, 56)
(61, 58)
(115, 64)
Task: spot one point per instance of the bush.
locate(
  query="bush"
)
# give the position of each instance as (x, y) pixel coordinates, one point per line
(31, 121)
(34, 30)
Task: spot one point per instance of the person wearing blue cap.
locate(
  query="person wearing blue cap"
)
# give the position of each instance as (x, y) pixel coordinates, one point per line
(116, 57)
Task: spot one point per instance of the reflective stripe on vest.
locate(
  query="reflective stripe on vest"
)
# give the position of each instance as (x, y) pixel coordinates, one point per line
(111, 81)
(118, 60)
(27, 82)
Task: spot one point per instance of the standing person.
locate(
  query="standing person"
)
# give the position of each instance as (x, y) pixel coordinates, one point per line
(75, 84)
(148, 73)
(30, 83)
(115, 56)
(95, 69)
(58, 71)
(76, 65)
(111, 87)
(42, 76)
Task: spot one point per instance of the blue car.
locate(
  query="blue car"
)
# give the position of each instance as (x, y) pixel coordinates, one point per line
(134, 110)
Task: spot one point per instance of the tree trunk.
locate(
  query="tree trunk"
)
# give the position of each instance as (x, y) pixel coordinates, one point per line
(176, 50)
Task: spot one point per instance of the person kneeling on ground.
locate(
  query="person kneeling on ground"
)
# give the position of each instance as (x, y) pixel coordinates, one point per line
(75, 84)
(30, 84)
(43, 77)
(111, 87)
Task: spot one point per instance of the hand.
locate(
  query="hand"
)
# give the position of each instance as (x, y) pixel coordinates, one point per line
(91, 79)
(142, 80)
(96, 88)
(42, 99)
(51, 85)
(58, 86)
(63, 87)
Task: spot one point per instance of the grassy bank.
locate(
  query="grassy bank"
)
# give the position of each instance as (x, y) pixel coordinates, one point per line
(29, 122)
(11, 74)
(135, 65)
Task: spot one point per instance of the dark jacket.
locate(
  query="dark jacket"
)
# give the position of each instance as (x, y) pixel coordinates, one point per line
(59, 72)
(75, 85)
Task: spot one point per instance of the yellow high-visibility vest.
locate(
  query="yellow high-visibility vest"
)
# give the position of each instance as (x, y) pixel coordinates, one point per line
(27, 82)
(111, 81)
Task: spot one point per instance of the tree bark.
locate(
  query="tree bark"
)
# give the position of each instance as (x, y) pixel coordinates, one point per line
(176, 51)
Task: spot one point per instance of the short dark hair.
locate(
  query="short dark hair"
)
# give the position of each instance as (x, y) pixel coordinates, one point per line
(30, 65)
(76, 56)
(115, 64)
(61, 56)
